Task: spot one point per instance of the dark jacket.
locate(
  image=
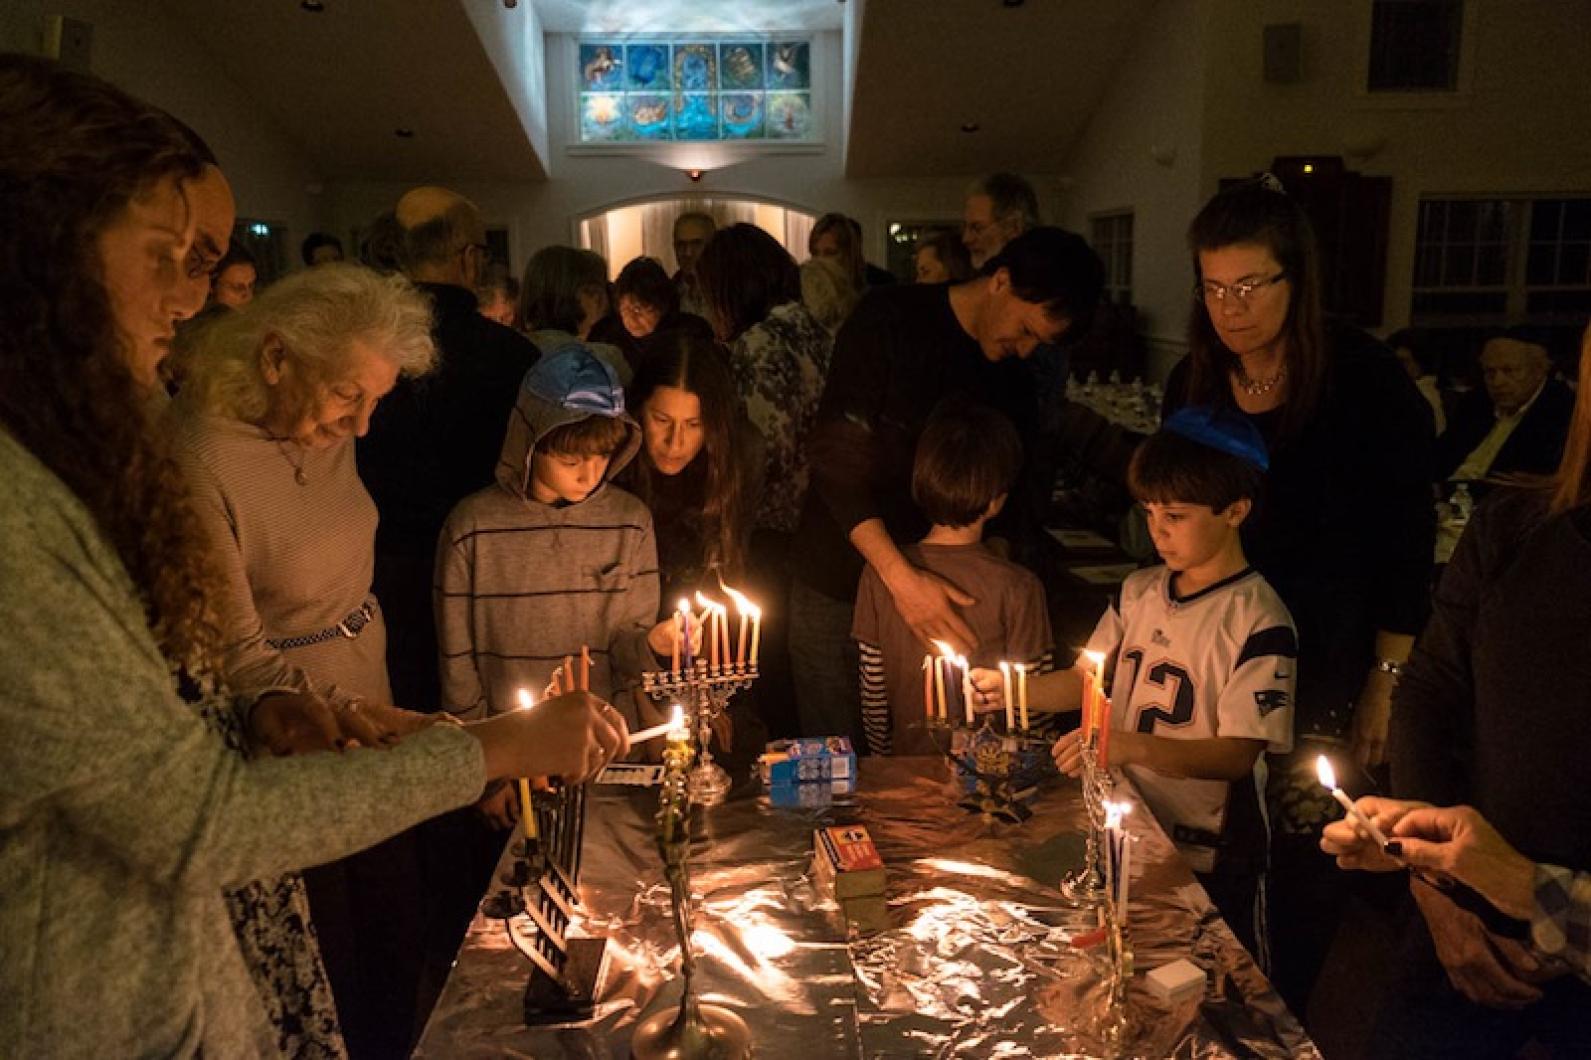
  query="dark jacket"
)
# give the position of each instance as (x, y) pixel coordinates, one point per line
(1534, 447)
(432, 442)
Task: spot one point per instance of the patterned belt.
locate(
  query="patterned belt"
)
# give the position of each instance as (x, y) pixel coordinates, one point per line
(349, 627)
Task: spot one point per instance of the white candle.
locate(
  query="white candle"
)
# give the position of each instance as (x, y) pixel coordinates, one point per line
(667, 728)
(966, 686)
(756, 633)
(1022, 694)
(745, 608)
(1005, 689)
(1328, 777)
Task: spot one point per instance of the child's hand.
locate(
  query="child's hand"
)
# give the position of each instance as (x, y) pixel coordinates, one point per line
(662, 636)
(1068, 753)
(500, 807)
(988, 691)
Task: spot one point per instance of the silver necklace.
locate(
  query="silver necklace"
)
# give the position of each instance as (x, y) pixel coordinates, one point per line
(1260, 387)
(298, 467)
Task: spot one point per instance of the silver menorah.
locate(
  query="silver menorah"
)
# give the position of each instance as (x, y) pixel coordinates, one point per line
(704, 691)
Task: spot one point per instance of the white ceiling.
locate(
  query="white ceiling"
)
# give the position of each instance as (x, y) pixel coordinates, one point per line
(341, 81)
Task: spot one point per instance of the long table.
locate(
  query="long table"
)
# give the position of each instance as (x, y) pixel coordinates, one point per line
(975, 962)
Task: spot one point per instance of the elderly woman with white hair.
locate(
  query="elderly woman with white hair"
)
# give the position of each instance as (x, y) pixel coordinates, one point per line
(265, 422)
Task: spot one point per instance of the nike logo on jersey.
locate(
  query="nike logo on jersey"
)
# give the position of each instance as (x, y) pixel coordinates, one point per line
(1157, 637)
(1270, 699)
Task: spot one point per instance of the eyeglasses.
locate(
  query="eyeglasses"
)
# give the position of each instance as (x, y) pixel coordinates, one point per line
(1243, 290)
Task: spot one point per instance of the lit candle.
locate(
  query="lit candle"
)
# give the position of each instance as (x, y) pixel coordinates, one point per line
(928, 685)
(966, 687)
(527, 812)
(685, 617)
(711, 626)
(756, 633)
(1022, 695)
(585, 668)
(1005, 688)
(744, 607)
(1104, 732)
(1092, 708)
(1328, 778)
(674, 729)
(946, 654)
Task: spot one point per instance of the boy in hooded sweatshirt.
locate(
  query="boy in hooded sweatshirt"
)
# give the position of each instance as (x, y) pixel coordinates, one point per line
(553, 557)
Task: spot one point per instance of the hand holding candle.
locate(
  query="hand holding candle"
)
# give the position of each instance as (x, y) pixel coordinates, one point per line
(674, 729)
(1328, 778)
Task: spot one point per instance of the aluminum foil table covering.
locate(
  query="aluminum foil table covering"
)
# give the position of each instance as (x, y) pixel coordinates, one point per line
(976, 960)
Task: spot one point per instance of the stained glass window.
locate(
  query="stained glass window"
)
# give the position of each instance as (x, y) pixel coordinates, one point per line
(695, 88)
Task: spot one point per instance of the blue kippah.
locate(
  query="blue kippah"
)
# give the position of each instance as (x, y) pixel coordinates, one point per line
(1227, 430)
(573, 376)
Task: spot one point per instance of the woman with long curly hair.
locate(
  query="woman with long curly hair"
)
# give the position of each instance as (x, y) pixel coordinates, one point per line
(124, 810)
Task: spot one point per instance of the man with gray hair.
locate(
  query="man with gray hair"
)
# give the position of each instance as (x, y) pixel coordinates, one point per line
(997, 209)
(691, 232)
(1518, 423)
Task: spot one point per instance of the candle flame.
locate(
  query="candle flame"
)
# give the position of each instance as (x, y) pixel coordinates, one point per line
(711, 604)
(526, 700)
(678, 720)
(1095, 657)
(684, 605)
(1005, 668)
(742, 605)
(945, 650)
(1115, 811)
(1328, 776)
(1021, 669)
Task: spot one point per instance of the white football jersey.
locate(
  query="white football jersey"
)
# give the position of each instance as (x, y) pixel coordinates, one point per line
(1219, 663)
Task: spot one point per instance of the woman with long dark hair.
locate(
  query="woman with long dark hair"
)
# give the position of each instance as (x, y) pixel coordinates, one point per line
(1345, 530)
(129, 801)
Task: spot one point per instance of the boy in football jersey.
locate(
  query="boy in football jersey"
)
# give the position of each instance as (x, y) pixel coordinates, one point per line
(1200, 655)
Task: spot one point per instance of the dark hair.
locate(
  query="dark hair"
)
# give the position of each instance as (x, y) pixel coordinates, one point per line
(314, 241)
(1009, 196)
(849, 235)
(592, 436)
(690, 362)
(646, 281)
(951, 252)
(1251, 212)
(549, 297)
(967, 456)
(1170, 468)
(236, 254)
(382, 246)
(74, 152)
(1056, 269)
(496, 280)
(1418, 342)
(744, 274)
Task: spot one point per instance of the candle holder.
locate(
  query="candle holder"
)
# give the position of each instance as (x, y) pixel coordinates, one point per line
(1118, 977)
(540, 884)
(1085, 884)
(694, 1031)
(1002, 769)
(706, 692)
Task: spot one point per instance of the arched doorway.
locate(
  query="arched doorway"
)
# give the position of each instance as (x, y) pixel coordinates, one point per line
(647, 228)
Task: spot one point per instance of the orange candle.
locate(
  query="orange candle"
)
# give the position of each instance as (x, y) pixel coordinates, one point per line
(939, 686)
(585, 668)
(928, 685)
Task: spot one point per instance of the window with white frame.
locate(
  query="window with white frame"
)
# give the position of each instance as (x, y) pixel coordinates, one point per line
(1111, 236)
(1502, 260)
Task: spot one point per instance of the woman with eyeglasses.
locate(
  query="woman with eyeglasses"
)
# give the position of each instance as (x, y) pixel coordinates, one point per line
(1346, 528)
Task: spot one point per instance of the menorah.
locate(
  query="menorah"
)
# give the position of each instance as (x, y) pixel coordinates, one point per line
(705, 691)
(1004, 768)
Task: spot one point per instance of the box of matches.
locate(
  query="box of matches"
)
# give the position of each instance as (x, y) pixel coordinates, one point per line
(869, 912)
(808, 761)
(846, 863)
(1177, 981)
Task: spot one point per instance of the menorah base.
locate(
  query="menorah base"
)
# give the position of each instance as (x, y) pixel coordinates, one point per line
(574, 997)
(693, 1031)
(1082, 886)
(708, 784)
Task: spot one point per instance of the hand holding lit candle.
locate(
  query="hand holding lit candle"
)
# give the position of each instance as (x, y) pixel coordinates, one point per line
(674, 729)
(1328, 778)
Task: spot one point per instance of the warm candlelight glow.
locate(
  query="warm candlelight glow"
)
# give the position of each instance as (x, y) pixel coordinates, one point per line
(1327, 775)
(944, 649)
(1115, 811)
(526, 700)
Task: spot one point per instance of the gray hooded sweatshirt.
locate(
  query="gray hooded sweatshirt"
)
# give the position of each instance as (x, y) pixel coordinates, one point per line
(521, 585)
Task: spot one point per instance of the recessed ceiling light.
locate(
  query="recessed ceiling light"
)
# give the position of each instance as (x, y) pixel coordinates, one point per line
(403, 134)
(970, 126)
(314, 7)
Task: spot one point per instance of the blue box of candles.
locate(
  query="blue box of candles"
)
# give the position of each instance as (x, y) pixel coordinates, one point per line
(808, 761)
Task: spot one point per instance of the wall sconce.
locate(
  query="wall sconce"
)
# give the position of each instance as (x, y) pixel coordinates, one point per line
(695, 175)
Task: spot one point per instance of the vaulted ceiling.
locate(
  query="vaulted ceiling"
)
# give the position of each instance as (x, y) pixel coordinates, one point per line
(342, 80)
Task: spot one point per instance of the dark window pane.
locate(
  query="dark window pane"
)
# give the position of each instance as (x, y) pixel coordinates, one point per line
(1427, 267)
(1541, 268)
(1577, 219)
(1458, 267)
(1493, 221)
(1414, 44)
(1460, 303)
(1491, 264)
(1463, 218)
(1544, 215)
(1433, 221)
(1572, 262)
(1573, 304)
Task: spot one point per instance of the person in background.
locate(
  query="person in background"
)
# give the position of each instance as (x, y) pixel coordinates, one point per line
(903, 350)
(232, 283)
(1516, 424)
(135, 787)
(647, 303)
(381, 247)
(872, 274)
(1412, 348)
(563, 297)
(691, 232)
(1490, 712)
(321, 248)
(941, 257)
(835, 236)
(966, 460)
(498, 295)
(1346, 533)
(827, 292)
(996, 210)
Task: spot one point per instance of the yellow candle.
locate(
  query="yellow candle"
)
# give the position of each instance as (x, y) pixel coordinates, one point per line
(1022, 694)
(527, 818)
(939, 686)
(1005, 689)
(756, 633)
